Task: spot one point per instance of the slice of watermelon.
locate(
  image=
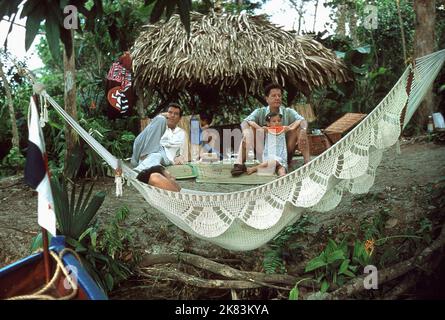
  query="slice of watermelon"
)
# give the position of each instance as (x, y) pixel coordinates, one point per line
(276, 130)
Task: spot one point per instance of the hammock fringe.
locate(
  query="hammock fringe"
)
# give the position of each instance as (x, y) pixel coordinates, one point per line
(248, 219)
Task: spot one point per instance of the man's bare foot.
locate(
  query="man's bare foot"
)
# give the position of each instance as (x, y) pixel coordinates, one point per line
(251, 170)
(281, 171)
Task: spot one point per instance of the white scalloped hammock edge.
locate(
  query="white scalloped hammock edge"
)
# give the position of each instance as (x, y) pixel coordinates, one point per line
(247, 219)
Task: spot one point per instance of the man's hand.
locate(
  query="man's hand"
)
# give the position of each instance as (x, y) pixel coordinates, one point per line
(286, 128)
(254, 125)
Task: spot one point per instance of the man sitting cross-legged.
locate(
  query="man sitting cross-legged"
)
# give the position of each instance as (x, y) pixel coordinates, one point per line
(257, 119)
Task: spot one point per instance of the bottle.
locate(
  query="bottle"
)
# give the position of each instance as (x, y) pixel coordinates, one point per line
(195, 135)
(430, 126)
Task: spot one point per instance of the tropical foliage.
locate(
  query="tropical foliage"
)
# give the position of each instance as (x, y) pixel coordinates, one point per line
(373, 58)
(52, 13)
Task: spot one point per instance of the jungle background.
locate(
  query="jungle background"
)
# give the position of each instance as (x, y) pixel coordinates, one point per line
(127, 244)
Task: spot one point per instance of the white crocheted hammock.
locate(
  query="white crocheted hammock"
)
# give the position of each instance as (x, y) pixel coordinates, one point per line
(247, 219)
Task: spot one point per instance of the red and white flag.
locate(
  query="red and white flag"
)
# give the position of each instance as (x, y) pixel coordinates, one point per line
(36, 171)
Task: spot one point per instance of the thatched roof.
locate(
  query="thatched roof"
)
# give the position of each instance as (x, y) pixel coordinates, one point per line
(234, 54)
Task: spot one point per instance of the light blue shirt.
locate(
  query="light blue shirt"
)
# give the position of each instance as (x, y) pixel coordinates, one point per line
(259, 116)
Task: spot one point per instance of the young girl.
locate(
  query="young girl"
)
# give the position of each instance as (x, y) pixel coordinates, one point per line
(275, 151)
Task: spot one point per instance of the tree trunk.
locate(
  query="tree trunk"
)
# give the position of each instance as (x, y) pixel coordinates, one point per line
(402, 32)
(353, 26)
(15, 133)
(315, 15)
(69, 96)
(424, 43)
(341, 20)
(299, 7)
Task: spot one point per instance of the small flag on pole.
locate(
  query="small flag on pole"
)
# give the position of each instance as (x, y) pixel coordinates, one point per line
(36, 171)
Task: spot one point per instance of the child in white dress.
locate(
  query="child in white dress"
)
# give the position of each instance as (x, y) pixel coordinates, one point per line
(275, 151)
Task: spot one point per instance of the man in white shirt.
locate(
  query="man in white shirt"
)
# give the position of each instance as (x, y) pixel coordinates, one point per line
(162, 142)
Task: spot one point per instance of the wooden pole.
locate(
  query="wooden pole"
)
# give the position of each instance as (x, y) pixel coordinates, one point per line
(46, 255)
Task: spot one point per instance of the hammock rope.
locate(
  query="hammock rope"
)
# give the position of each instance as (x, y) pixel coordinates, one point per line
(247, 219)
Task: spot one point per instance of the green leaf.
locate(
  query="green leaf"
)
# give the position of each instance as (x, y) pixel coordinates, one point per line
(353, 268)
(360, 70)
(343, 246)
(32, 28)
(37, 242)
(358, 250)
(349, 273)
(87, 215)
(76, 244)
(93, 237)
(72, 202)
(79, 198)
(85, 200)
(324, 286)
(293, 294)
(55, 125)
(315, 263)
(100, 257)
(341, 280)
(85, 233)
(53, 35)
(331, 247)
(109, 281)
(336, 255)
(344, 266)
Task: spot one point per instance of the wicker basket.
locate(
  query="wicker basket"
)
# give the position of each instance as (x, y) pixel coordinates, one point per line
(319, 143)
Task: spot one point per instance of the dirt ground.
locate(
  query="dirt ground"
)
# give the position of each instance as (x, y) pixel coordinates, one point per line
(405, 184)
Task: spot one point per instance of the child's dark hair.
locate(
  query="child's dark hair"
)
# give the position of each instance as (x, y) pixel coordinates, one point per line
(207, 117)
(144, 175)
(270, 115)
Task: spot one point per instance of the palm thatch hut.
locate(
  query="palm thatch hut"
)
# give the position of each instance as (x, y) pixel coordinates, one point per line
(230, 55)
